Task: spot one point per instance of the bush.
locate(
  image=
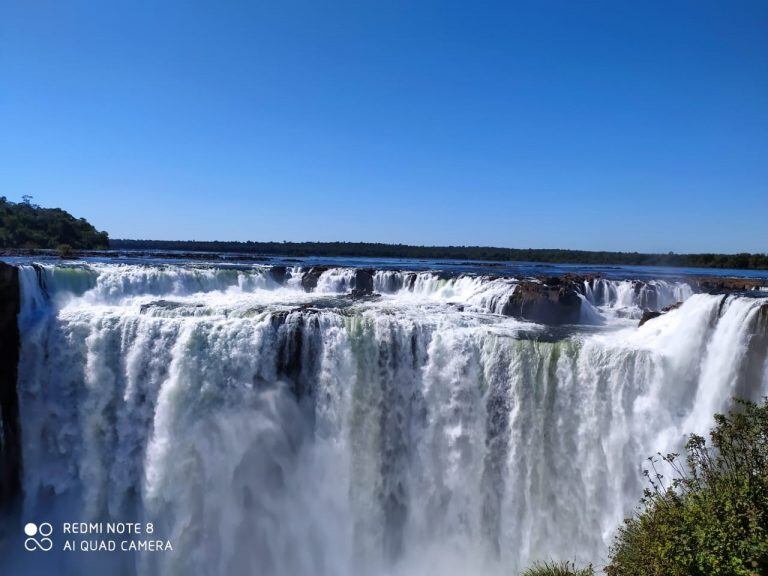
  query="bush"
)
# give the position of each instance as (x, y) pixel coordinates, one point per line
(712, 518)
(64, 251)
(558, 569)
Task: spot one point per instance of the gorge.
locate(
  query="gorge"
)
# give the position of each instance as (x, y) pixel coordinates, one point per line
(337, 420)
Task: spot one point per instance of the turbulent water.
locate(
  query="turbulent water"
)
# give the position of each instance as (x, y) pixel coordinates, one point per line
(271, 431)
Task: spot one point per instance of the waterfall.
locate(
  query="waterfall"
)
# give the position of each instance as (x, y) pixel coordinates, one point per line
(266, 429)
(629, 298)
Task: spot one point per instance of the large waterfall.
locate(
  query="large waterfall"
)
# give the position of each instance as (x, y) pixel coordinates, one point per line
(266, 426)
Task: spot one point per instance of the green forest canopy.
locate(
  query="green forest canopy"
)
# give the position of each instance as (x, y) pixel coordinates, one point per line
(26, 225)
(372, 250)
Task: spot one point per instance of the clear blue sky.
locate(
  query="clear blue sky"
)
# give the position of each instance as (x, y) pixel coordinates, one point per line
(572, 124)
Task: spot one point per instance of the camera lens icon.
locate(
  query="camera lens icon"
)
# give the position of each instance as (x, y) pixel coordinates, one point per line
(38, 536)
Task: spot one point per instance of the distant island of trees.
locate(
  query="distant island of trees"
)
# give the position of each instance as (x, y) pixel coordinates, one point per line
(27, 226)
(374, 250)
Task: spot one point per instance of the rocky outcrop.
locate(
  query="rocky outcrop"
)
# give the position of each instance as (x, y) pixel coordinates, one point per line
(310, 277)
(166, 305)
(10, 442)
(651, 314)
(715, 285)
(363, 283)
(648, 315)
(278, 274)
(555, 300)
(298, 349)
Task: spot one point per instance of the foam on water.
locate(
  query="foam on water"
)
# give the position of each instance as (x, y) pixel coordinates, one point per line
(268, 430)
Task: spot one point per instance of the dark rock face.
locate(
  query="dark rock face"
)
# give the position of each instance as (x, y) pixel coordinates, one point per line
(363, 283)
(712, 285)
(651, 314)
(299, 342)
(410, 281)
(278, 274)
(355, 295)
(310, 277)
(553, 301)
(648, 315)
(674, 306)
(762, 315)
(10, 442)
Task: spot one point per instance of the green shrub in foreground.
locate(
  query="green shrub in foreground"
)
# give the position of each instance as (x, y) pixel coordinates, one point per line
(711, 519)
(558, 569)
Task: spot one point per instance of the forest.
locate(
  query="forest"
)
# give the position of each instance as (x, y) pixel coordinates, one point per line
(24, 225)
(743, 261)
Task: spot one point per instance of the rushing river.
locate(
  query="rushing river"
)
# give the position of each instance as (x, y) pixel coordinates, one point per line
(263, 429)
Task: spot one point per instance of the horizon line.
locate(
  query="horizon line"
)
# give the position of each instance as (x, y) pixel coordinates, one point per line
(435, 246)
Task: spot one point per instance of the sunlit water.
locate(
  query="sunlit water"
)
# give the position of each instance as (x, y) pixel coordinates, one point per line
(269, 431)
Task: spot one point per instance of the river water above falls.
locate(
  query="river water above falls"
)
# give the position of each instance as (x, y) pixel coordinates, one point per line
(267, 422)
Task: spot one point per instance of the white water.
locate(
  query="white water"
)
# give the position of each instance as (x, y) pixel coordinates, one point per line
(400, 436)
(628, 299)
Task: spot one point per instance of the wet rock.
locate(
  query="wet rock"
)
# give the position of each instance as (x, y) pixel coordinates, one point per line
(310, 277)
(552, 301)
(363, 283)
(410, 281)
(299, 342)
(166, 305)
(648, 315)
(10, 437)
(714, 285)
(555, 280)
(651, 314)
(278, 274)
(356, 294)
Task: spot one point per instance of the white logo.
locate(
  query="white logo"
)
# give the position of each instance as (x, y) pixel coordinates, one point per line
(44, 543)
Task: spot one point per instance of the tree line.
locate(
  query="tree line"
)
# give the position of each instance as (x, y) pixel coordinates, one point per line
(744, 261)
(25, 225)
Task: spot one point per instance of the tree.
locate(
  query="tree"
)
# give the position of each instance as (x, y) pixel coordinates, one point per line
(26, 225)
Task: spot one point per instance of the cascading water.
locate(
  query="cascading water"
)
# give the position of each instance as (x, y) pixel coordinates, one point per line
(629, 298)
(268, 430)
